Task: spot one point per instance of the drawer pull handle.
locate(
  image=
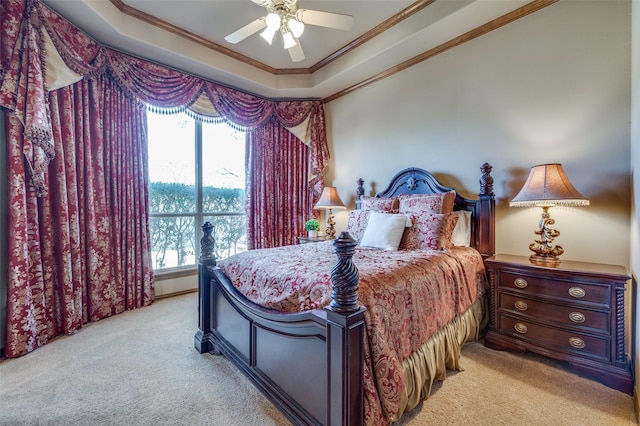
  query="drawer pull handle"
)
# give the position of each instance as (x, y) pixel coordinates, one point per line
(577, 292)
(520, 282)
(520, 328)
(577, 317)
(521, 306)
(577, 342)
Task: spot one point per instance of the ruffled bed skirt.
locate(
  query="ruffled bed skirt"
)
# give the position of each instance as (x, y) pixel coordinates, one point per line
(441, 352)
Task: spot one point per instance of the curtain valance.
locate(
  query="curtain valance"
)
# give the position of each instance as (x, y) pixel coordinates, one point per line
(28, 25)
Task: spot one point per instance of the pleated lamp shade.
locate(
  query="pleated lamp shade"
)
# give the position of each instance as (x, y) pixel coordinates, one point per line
(548, 185)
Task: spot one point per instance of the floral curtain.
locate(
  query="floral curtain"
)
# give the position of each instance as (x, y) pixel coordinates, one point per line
(76, 166)
(277, 191)
(80, 251)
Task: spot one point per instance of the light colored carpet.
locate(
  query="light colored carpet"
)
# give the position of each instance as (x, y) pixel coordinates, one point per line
(140, 368)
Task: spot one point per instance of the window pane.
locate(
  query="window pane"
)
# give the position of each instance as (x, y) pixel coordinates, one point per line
(223, 174)
(230, 233)
(172, 176)
(173, 241)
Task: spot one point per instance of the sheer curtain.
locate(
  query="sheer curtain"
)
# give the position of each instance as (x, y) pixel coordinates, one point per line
(77, 172)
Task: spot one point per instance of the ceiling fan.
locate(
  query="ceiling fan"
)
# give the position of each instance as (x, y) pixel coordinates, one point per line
(284, 16)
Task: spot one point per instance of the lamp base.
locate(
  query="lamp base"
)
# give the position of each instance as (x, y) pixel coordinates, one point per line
(331, 230)
(544, 260)
(545, 252)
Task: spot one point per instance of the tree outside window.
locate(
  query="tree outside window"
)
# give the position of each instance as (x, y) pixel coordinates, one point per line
(196, 174)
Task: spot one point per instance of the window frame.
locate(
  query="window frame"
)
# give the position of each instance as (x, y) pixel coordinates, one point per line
(198, 216)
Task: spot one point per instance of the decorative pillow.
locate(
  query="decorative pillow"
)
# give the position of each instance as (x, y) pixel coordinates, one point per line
(429, 231)
(357, 223)
(379, 204)
(462, 232)
(420, 203)
(384, 230)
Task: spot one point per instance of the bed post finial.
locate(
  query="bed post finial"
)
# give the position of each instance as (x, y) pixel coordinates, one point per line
(344, 276)
(486, 181)
(485, 214)
(207, 245)
(359, 193)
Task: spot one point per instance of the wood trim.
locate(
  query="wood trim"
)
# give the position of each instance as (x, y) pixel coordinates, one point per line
(181, 32)
(174, 29)
(501, 21)
(396, 19)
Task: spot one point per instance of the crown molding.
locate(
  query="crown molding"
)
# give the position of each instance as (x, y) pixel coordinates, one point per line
(181, 32)
(501, 21)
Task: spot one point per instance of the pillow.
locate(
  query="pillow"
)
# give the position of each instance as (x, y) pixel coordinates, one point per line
(357, 223)
(420, 203)
(430, 231)
(379, 204)
(462, 232)
(384, 230)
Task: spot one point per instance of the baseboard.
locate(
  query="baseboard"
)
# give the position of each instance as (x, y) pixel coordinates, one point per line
(174, 285)
(177, 293)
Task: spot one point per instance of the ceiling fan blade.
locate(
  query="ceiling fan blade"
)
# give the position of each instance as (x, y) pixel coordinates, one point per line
(244, 32)
(326, 19)
(296, 53)
(263, 3)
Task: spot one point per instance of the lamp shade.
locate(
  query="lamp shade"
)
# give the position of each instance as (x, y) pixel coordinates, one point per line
(296, 27)
(268, 34)
(548, 185)
(329, 199)
(289, 41)
(273, 21)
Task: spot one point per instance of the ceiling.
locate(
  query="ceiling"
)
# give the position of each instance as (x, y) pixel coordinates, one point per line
(189, 35)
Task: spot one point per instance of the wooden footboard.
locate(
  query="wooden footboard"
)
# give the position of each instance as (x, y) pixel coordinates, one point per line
(276, 350)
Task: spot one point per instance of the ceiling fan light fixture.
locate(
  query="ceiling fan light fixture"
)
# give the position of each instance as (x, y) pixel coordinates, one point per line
(273, 22)
(285, 17)
(289, 41)
(296, 27)
(268, 34)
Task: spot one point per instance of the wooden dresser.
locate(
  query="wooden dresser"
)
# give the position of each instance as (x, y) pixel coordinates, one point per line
(573, 312)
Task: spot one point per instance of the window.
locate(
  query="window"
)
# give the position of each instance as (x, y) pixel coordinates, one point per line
(183, 194)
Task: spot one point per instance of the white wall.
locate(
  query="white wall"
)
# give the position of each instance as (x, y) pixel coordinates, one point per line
(551, 87)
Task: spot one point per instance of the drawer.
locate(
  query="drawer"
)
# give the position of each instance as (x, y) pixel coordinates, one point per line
(578, 292)
(568, 316)
(563, 340)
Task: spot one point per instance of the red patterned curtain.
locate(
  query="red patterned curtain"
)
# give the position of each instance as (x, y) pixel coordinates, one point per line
(78, 219)
(79, 252)
(278, 194)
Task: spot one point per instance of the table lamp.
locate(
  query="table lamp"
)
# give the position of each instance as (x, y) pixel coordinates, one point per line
(330, 200)
(547, 186)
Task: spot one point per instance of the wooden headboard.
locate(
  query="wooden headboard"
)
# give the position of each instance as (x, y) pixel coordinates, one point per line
(414, 180)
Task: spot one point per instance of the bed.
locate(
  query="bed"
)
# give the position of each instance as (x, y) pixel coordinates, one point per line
(319, 362)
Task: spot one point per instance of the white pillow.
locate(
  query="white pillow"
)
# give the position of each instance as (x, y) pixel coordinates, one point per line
(384, 230)
(462, 232)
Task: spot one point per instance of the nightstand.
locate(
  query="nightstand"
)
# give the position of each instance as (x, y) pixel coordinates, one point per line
(304, 240)
(573, 312)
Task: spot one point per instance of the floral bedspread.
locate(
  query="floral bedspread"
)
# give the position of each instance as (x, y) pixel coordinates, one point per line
(409, 296)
